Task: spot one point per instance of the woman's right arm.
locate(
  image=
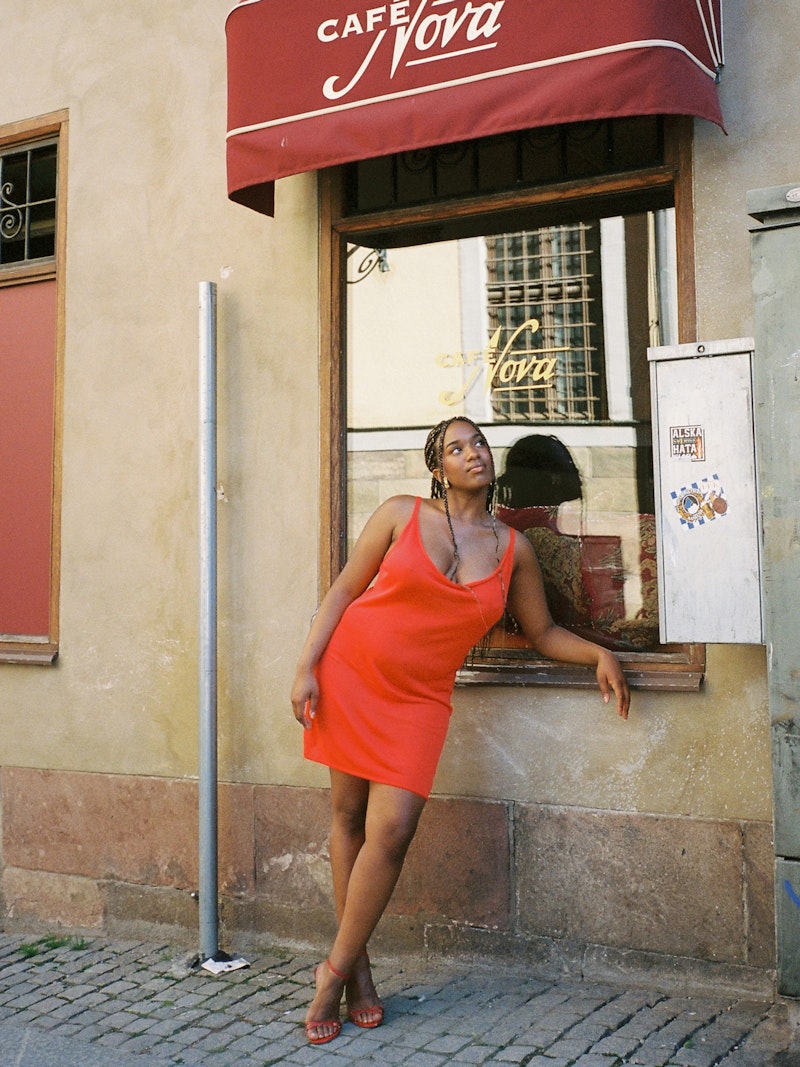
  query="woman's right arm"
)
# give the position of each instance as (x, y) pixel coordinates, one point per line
(378, 535)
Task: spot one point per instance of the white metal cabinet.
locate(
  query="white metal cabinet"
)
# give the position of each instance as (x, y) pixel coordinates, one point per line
(707, 513)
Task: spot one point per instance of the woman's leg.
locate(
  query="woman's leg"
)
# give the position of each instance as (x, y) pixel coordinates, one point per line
(390, 821)
(349, 798)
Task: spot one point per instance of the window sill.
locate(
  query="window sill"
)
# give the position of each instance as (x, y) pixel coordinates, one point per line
(32, 654)
(679, 669)
(37, 271)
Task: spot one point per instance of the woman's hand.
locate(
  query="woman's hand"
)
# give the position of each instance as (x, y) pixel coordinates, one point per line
(305, 694)
(610, 677)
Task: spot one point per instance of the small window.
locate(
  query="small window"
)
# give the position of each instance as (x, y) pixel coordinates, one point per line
(28, 177)
(31, 201)
(505, 162)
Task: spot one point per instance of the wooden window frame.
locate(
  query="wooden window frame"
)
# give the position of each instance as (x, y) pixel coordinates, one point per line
(21, 134)
(681, 669)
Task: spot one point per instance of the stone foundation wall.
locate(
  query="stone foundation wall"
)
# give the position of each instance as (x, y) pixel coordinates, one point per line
(119, 854)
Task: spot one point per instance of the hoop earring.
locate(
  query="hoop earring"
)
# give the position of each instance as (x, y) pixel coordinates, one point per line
(445, 483)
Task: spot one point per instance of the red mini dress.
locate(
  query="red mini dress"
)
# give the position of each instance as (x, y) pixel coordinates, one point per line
(386, 676)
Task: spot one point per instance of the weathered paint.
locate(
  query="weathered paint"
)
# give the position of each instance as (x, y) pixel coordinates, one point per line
(776, 278)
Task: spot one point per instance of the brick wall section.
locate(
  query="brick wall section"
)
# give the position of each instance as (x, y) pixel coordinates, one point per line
(110, 852)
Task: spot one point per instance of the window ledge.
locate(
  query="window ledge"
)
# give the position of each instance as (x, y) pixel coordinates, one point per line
(681, 670)
(32, 654)
(37, 271)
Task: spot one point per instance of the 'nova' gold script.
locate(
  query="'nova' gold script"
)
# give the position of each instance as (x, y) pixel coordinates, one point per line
(505, 369)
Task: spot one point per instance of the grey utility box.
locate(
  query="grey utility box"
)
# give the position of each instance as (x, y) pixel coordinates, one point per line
(775, 244)
(707, 511)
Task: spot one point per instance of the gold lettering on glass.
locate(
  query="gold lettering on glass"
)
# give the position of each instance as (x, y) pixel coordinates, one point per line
(504, 368)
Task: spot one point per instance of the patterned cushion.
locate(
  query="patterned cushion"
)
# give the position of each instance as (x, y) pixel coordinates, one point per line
(560, 560)
(584, 585)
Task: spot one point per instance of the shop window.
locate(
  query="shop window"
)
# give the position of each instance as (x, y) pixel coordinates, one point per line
(531, 313)
(31, 207)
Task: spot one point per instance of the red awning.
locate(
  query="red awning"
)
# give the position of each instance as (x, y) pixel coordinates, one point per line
(313, 83)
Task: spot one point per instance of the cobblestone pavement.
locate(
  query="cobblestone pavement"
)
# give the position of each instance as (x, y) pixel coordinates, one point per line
(97, 1003)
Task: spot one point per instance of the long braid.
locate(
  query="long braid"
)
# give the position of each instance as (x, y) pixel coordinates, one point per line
(440, 459)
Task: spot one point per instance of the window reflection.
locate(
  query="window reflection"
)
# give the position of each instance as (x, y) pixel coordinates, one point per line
(599, 569)
(540, 336)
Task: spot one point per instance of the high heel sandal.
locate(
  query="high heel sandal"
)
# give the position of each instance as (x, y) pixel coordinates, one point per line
(361, 1016)
(335, 1025)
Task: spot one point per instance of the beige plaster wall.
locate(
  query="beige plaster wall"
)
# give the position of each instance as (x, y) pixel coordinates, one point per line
(759, 90)
(703, 754)
(148, 219)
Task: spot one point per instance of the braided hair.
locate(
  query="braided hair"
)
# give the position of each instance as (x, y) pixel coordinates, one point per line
(434, 460)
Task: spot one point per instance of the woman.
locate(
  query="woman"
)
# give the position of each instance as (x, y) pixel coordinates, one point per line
(375, 679)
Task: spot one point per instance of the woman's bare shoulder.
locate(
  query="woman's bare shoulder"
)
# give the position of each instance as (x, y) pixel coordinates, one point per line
(380, 531)
(394, 512)
(400, 506)
(524, 552)
(502, 525)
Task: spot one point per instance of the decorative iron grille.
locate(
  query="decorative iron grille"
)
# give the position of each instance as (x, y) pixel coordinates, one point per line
(504, 162)
(28, 178)
(544, 298)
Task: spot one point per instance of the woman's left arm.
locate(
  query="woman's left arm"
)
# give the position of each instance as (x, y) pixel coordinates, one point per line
(528, 605)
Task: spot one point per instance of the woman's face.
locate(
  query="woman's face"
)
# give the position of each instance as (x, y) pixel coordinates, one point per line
(466, 457)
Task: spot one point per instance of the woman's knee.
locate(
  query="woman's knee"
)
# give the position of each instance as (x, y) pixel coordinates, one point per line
(349, 820)
(349, 806)
(393, 837)
(391, 826)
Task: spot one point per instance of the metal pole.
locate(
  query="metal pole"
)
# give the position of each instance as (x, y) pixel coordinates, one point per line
(209, 944)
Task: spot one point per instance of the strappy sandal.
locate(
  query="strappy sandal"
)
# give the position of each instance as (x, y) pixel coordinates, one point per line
(334, 1025)
(361, 1016)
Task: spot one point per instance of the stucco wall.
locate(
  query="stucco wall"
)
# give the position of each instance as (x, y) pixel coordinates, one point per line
(148, 219)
